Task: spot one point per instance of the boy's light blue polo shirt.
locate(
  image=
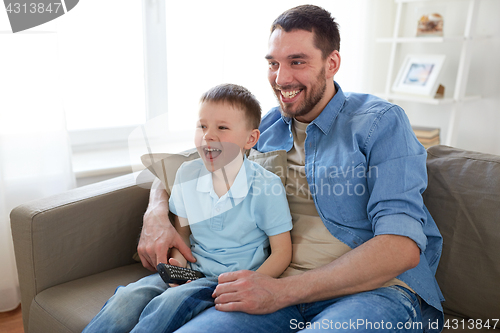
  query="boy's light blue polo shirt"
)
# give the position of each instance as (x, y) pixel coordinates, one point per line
(230, 233)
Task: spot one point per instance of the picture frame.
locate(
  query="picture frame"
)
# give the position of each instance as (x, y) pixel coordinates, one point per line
(430, 25)
(419, 75)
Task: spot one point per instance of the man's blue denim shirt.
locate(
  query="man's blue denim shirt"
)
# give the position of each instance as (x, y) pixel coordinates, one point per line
(366, 171)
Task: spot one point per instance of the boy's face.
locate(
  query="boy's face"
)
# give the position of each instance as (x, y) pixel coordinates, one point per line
(222, 132)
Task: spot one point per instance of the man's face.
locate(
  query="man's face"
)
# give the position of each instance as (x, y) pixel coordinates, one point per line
(297, 74)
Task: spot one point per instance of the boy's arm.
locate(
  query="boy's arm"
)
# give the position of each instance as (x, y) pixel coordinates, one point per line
(281, 255)
(182, 227)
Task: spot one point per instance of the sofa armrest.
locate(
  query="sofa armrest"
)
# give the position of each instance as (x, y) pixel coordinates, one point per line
(78, 233)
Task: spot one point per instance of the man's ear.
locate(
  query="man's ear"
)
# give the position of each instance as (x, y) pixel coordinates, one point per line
(252, 138)
(332, 64)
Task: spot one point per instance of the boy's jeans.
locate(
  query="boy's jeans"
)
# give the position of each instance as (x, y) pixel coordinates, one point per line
(149, 305)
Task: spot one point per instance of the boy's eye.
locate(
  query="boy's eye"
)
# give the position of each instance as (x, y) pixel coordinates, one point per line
(223, 127)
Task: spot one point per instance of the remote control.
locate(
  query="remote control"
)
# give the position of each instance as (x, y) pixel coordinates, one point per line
(178, 275)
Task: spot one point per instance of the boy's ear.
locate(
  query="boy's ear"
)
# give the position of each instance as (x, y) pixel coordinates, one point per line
(252, 138)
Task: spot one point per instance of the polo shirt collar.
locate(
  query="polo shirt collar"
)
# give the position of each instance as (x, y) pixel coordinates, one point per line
(240, 186)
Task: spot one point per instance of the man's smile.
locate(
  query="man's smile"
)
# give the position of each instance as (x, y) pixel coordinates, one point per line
(288, 95)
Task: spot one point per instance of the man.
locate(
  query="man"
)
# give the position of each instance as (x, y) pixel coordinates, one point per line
(365, 247)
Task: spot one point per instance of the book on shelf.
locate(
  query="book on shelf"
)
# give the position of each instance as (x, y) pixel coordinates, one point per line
(427, 136)
(425, 140)
(425, 132)
(431, 143)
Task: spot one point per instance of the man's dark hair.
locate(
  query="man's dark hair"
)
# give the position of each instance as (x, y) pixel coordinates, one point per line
(313, 19)
(238, 97)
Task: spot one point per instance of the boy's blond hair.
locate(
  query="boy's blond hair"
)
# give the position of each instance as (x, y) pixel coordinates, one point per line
(237, 96)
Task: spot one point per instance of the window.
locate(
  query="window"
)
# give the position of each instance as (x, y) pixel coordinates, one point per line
(213, 42)
(100, 51)
(123, 62)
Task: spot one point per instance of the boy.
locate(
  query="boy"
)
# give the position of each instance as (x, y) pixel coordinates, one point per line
(227, 208)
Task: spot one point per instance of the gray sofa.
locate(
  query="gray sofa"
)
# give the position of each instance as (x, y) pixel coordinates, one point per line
(74, 249)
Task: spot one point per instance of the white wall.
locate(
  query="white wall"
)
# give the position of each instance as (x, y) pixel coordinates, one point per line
(478, 121)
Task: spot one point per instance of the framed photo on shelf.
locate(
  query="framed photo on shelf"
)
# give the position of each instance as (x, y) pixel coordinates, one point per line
(419, 75)
(430, 25)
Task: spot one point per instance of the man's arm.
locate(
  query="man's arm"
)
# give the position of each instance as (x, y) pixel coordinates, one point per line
(176, 257)
(158, 235)
(366, 267)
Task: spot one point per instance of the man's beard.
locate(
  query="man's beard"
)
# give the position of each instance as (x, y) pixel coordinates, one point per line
(306, 106)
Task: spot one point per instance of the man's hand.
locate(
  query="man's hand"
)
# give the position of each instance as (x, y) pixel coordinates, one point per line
(249, 292)
(367, 267)
(158, 235)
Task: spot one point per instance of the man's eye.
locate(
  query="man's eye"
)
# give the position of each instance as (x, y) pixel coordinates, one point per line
(273, 65)
(296, 63)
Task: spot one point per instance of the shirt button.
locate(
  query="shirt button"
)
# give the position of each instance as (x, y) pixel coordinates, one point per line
(290, 134)
(217, 209)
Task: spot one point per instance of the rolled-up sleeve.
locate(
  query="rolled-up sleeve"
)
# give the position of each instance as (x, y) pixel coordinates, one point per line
(397, 177)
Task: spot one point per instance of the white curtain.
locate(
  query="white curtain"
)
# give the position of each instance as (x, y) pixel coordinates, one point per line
(34, 147)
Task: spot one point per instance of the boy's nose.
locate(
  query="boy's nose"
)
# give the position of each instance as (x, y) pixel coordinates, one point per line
(209, 135)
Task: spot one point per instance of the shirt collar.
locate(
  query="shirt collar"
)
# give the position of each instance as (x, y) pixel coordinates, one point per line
(240, 186)
(204, 181)
(327, 117)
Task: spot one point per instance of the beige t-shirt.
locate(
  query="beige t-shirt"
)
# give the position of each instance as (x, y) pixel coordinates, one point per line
(313, 245)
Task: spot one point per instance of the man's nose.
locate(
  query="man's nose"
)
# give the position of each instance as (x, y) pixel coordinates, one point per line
(283, 76)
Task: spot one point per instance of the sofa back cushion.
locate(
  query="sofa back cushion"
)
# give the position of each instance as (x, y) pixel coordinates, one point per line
(164, 166)
(463, 197)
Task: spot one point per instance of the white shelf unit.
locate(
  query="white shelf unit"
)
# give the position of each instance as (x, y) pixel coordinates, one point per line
(459, 97)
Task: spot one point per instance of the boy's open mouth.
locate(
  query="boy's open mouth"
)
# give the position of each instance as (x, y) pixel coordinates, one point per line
(211, 153)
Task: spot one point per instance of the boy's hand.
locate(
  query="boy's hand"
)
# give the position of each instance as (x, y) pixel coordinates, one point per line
(175, 262)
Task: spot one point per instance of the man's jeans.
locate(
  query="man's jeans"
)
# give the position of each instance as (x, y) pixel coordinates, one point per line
(149, 305)
(391, 309)
(143, 306)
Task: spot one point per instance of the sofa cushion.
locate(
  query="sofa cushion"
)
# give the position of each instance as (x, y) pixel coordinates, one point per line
(70, 306)
(274, 161)
(164, 166)
(463, 197)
